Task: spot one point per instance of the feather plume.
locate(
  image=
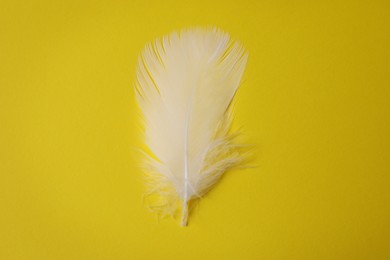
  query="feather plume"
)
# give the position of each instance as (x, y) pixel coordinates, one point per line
(185, 86)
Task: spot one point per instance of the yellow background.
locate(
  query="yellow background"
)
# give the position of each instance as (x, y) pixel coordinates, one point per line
(315, 103)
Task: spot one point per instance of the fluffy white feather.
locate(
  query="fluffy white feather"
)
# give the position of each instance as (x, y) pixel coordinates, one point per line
(185, 86)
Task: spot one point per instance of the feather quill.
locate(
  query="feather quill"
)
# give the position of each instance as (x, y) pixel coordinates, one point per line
(185, 86)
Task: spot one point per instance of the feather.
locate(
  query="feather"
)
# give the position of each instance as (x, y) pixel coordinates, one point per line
(185, 86)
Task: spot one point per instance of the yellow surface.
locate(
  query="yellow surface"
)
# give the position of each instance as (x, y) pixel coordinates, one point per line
(315, 102)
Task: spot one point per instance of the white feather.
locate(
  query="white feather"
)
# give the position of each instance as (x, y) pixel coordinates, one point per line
(185, 85)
